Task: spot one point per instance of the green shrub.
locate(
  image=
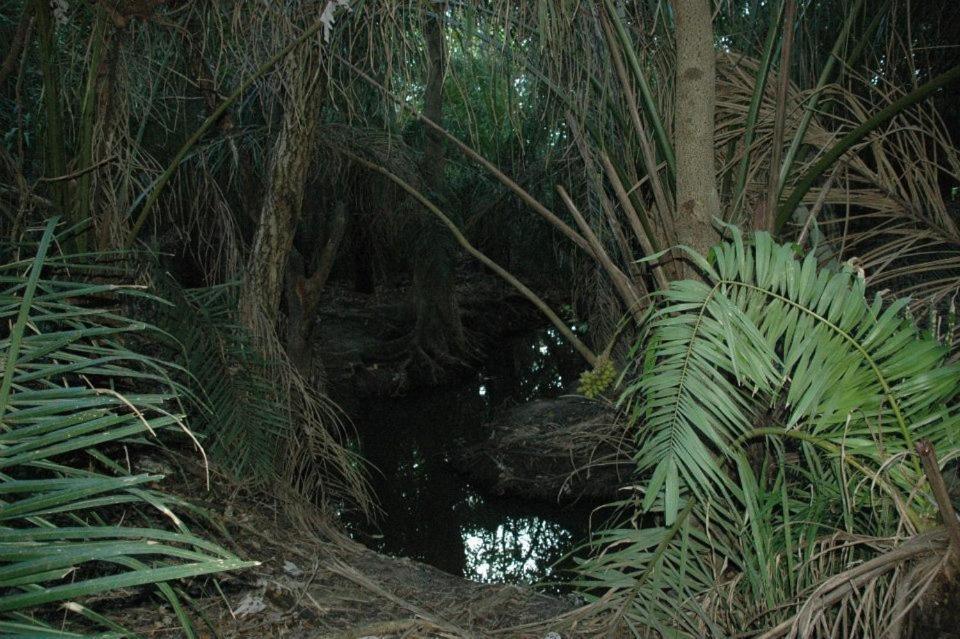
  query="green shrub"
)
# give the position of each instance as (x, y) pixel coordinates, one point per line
(776, 411)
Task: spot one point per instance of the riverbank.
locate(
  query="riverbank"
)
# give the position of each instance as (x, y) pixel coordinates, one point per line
(314, 583)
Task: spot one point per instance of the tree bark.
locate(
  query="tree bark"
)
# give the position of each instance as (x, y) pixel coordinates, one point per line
(101, 192)
(434, 159)
(54, 161)
(698, 202)
(293, 152)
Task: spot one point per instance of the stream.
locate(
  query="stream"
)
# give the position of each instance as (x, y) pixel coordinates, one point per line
(430, 510)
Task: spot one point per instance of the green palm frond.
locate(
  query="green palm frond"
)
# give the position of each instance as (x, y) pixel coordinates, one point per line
(260, 420)
(772, 344)
(776, 414)
(75, 387)
(241, 418)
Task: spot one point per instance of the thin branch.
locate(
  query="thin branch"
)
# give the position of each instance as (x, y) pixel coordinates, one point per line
(619, 278)
(493, 266)
(531, 201)
(649, 157)
(643, 234)
(780, 117)
(76, 174)
(596, 178)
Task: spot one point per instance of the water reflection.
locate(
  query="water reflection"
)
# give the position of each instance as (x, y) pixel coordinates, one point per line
(520, 550)
(430, 512)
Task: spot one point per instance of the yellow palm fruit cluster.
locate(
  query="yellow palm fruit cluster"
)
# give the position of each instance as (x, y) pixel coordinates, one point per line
(595, 381)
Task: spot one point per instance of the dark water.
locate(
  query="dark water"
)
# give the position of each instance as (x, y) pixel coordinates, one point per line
(431, 511)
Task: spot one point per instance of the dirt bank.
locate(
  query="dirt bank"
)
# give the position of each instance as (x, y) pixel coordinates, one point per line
(556, 450)
(314, 585)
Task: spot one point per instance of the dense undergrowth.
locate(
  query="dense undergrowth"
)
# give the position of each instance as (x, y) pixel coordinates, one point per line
(87, 389)
(777, 412)
(79, 393)
(777, 385)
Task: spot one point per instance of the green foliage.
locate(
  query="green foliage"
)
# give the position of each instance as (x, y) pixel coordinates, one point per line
(776, 431)
(765, 333)
(258, 418)
(78, 391)
(239, 415)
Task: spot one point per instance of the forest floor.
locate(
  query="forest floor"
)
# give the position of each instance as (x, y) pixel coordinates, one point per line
(315, 583)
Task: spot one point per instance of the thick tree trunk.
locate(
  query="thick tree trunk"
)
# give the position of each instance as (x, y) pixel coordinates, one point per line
(103, 194)
(698, 202)
(434, 159)
(293, 152)
(439, 331)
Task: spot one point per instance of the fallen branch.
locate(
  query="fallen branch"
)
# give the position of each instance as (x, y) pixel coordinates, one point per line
(928, 456)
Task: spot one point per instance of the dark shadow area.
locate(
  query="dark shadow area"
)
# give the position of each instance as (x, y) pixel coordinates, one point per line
(431, 509)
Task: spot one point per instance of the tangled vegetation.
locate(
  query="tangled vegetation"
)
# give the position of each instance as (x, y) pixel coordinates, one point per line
(77, 393)
(752, 205)
(778, 414)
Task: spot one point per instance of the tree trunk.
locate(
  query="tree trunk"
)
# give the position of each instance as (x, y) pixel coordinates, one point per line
(698, 202)
(16, 45)
(434, 160)
(54, 160)
(305, 284)
(293, 151)
(438, 332)
(102, 193)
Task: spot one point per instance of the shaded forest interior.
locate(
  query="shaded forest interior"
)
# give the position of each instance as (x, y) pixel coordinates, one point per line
(636, 317)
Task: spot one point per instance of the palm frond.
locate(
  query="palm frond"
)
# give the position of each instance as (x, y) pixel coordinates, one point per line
(776, 417)
(75, 389)
(260, 419)
(768, 341)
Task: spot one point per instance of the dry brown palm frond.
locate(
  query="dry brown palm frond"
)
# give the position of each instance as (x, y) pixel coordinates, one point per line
(890, 211)
(883, 589)
(318, 470)
(885, 205)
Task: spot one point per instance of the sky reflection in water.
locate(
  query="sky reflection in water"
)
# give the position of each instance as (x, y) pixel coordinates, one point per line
(520, 550)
